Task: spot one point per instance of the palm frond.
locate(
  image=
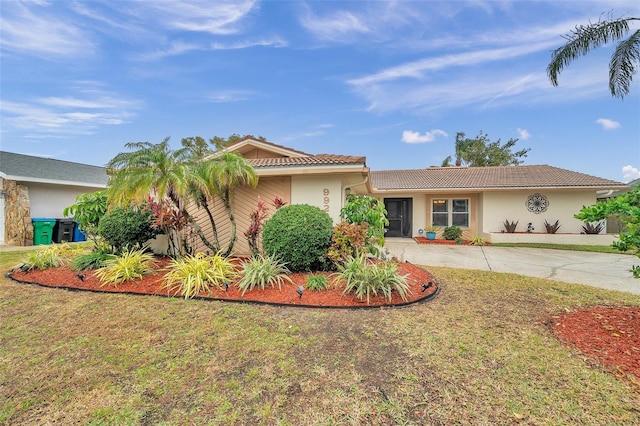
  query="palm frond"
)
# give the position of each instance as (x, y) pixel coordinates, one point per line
(582, 40)
(621, 66)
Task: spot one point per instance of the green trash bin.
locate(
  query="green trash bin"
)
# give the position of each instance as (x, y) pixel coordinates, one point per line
(42, 230)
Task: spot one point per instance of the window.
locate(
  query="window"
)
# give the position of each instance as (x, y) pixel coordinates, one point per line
(447, 212)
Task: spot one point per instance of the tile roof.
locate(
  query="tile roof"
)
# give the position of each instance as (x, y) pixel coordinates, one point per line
(505, 177)
(313, 160)
(28, 168)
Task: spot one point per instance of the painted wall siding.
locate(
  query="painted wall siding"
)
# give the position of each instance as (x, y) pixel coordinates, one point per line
(324, 192)
(50, 200)
(245, 201)
(501, 206)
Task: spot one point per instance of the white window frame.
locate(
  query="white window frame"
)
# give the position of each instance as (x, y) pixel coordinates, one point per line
(450, 212)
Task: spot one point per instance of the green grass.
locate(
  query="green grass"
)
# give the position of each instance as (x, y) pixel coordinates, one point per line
(480, 353)
(596, 249)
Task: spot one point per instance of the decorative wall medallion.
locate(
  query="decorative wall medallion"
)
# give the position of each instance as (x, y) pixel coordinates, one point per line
(537, 203)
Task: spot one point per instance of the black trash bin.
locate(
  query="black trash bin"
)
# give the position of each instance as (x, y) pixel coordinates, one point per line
(63, 231)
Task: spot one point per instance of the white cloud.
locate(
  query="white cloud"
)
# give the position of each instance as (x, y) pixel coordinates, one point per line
(336, 26)
(34, 31)
(70, 115)
(608, 124)
(523, 134)
(630, 173)
(409, 136)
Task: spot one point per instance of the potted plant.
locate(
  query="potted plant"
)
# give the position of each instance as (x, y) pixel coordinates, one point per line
(430, 231)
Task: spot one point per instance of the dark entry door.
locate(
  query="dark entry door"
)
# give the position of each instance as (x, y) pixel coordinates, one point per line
(399, 214)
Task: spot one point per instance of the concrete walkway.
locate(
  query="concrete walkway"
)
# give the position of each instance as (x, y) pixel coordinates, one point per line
(604, 270)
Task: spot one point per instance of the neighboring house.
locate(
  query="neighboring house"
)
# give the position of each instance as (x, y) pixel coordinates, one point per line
(478, 199)
(33, 187)
(614, 224)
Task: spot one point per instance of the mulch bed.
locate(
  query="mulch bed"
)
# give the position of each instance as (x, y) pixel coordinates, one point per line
(608, 335)
(66, 278)
(442, 241)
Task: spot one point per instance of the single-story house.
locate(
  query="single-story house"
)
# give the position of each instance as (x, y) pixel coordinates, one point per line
(478, 199)
(33, 187)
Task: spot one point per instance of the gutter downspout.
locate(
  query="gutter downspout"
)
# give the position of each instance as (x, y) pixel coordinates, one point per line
(344, 189)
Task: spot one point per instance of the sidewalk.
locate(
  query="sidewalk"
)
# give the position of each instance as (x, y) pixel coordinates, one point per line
(604, 270)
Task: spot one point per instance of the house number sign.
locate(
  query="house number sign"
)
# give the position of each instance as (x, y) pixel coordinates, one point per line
(325, 200)
(537, 203)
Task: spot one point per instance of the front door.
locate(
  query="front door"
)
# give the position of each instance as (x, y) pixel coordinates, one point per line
(399, 214)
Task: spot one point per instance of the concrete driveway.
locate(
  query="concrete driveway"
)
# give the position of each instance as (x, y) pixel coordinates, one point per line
(604, 270)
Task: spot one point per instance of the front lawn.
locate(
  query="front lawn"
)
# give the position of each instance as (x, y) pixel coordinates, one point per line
(481, 353)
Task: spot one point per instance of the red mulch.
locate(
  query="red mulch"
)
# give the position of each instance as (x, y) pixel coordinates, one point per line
(610, 335)
(64, 277)
(442, 241)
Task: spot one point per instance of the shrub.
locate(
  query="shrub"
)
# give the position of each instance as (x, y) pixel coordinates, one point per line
(478, 241)
(299, 235)
(193, 274)
(88, 210)
(125, 228)
(365, 279)
(552, 228)
(92, 260)
(452, 233)
(317, 283)
(130, 265)
(510, 227)
(261, 271)
(369, 210)
(592, 228)
(347, 240)
(49, 257)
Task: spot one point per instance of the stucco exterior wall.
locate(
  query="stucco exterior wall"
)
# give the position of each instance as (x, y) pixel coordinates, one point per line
(500, 206)
(50, 200)
(324, 192)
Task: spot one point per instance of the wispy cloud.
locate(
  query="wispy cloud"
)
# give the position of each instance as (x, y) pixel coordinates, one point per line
(227, 96)
(317, 130)
(245, 44)
(36, 31)
(409, 136)
(335, 26)
(67, 115)
(608, 124)
(523, 134)
(630, 173)
(218, 17)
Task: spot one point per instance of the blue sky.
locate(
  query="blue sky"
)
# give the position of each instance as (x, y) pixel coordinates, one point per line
(394, 81)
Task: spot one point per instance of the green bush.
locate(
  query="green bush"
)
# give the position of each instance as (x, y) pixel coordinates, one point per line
(299, 235)
(130, 265)
(191, 275)
(366, 279)
(125, 228)
(317, 283)
(348, 239)
(452, 233)
(262, 271)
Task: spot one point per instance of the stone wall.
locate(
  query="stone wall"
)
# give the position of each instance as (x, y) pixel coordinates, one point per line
(18, 228)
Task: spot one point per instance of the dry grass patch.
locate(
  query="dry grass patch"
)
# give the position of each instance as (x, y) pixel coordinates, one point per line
(480, 353)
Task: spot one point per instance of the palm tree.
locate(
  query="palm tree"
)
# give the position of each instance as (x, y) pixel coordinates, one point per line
(624, 61)
(152, 169)
(223, 173)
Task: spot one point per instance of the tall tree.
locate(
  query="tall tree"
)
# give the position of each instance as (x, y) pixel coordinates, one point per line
(152, 169)
(481, 152)
(624, 60)
(221, 143)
